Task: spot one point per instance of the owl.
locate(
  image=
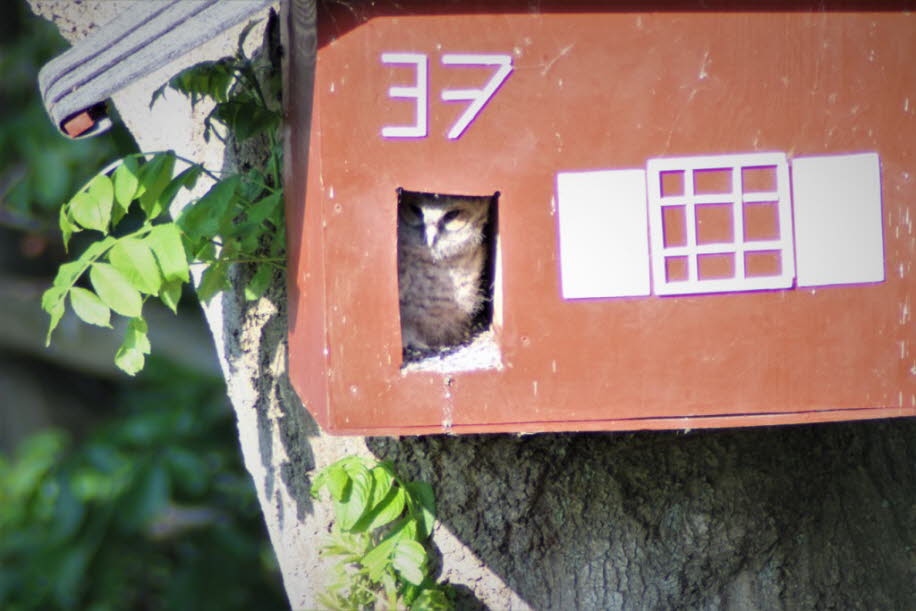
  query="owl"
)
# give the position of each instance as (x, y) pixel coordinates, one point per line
(442, 254)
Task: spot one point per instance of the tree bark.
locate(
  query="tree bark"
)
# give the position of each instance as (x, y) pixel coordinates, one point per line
(817, 516)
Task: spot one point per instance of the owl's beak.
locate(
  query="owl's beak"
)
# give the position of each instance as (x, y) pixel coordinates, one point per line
(432, 232)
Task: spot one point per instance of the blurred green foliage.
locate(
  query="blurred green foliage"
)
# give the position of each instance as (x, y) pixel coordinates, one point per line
(153, 510)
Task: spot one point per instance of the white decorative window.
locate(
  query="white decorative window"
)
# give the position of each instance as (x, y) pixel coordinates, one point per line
(720, 223)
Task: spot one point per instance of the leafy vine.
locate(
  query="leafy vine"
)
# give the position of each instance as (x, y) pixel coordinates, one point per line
(140, 252)
(381, 524)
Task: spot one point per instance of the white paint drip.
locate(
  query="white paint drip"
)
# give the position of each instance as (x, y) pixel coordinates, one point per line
(447, 405)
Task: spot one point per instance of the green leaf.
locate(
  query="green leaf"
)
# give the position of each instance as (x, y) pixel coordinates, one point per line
(187, 179)
(387, 510)
(253, 185)
(382, 483)
(409, 559)
(431, 600)
(259, 282)
(131, 356)
(170, 294)
(135, 338)
(165, 241)
(83, 209)
(130, 362)
(116, 291)
(203, 218)
(249, 237)
(154, 176)
(69, 273)
(52, 302)
(126, 184)
(386, 501)
(214, 279)
(206, 79)
(246, 118)
(264, 207)
(89, 307)
(67, 228)
(278, 245)
(424, 507)
(251, 230)
(91, 208)
(351, 508)
(377, 560)
(337, 481)
(349, 511)
(134, 259)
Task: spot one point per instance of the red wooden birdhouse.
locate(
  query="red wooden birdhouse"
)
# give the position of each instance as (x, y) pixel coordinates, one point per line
(704, 215)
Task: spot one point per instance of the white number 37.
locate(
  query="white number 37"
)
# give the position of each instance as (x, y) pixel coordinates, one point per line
(419, 90)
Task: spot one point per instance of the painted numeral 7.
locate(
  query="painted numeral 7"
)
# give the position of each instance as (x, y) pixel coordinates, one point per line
(419, 91)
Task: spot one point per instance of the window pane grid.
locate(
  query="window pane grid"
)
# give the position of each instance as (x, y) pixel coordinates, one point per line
(745, 173)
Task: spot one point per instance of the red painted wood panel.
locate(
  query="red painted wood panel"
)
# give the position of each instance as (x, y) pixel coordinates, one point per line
(590, 91)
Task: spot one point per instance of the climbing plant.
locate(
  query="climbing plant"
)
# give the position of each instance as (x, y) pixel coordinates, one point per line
(381, 522)
(139, 252)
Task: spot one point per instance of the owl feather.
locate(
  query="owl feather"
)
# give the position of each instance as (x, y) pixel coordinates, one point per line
(441, 259)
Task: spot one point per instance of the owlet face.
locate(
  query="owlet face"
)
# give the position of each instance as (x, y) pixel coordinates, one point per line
(448, 225)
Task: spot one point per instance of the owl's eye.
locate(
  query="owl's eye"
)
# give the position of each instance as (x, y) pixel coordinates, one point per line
(411, 214)
(453, 220)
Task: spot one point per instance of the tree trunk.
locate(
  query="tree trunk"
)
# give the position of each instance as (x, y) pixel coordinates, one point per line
(819, 516)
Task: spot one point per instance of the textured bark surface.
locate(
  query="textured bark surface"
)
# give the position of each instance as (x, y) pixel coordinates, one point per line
(783, 518)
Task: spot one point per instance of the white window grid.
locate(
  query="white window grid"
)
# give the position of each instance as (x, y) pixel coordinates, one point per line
(781, 246)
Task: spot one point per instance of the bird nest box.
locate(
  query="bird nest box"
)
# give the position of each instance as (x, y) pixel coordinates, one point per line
(698, 217)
